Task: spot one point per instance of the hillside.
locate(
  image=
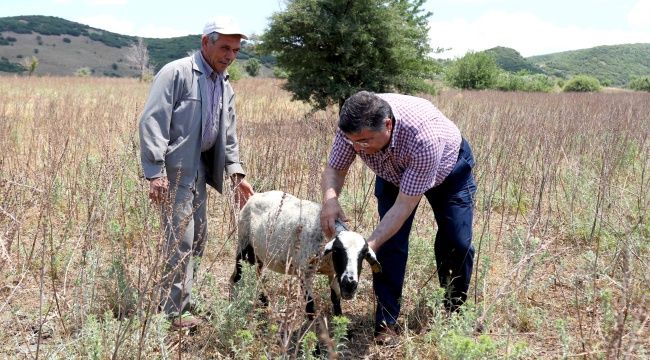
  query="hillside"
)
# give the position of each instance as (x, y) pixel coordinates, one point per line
(613, 65)
(510, 60)
(62, 47)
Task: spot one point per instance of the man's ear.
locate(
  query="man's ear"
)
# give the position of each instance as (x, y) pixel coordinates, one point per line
(372, 260)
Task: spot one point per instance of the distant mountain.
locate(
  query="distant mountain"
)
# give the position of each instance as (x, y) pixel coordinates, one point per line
(613, 65)
(62, 47)
(510, 60)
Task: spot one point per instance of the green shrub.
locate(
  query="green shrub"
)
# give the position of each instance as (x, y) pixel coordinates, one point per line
(582, 83)
(640, 84)
(309, 343)
(280, 73)
(473, 71)
(235, 71)
(253, 67)
(524, 82)
(83, 72)
(8, 66)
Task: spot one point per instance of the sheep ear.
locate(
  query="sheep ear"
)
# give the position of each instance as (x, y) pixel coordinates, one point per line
(372, 260)
(328, 247)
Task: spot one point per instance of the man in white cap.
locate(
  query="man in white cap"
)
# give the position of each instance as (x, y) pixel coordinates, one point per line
(188, 140)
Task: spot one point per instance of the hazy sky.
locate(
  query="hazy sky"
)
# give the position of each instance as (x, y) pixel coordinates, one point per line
(530, 27)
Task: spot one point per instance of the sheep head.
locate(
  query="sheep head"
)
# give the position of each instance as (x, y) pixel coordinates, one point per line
(348, 250)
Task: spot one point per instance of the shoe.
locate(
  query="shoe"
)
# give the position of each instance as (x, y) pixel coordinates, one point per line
(387, 335)
(186, 321)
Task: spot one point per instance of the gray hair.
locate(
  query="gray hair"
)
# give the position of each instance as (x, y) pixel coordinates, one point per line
(364, 110)
(213, 36)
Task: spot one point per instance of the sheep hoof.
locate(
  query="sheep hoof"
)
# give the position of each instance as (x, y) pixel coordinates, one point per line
(263, 300)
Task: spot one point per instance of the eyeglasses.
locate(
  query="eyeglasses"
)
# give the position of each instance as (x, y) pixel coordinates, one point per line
(361, 144)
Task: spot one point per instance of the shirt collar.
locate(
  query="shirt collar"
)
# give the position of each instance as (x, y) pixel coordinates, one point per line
(211, 73)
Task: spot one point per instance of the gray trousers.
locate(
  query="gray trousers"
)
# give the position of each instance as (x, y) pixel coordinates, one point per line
(185, 222)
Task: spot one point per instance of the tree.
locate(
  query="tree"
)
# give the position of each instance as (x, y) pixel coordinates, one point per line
(137, 55)
(83, 72)
(640, 84)
(331, 49)
(253, 67)
(475, 70)
(31, 64)
(582, 83)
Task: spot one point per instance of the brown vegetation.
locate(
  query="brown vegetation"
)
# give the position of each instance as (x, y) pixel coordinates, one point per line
(561, 230)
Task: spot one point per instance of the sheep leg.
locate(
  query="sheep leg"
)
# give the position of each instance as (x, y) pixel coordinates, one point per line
(335, 296)
(336, 303)
(306, 284)
(310, 308)
(248, 254)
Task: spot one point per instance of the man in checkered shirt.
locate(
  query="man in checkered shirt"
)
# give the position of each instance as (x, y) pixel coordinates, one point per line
(414, 150)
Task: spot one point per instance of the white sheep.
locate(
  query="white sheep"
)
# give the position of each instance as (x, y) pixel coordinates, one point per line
(283, 233)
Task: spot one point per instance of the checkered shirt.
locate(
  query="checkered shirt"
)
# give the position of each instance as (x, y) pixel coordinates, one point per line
(423, 148)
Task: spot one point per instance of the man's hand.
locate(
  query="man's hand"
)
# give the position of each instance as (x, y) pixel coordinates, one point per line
(331, 184)
(329, 213)
(242, 189)
(158, 189)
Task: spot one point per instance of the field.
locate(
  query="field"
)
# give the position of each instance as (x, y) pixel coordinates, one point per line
(562, 231)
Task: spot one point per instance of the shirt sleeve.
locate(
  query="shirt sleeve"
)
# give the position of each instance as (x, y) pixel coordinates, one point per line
(342, 154)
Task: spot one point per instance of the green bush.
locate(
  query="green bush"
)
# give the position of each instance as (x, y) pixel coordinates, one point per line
(473, 71)
(235, 71)
(640, 84)
(524, 82)
(582, 83)
(83, 72)
(280, 73)
(253, 67)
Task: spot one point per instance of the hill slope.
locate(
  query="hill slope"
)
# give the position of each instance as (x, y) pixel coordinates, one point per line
(510, 60)
(62, 47)
(613, 64)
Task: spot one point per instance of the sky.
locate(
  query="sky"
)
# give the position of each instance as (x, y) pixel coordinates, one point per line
(530, 27)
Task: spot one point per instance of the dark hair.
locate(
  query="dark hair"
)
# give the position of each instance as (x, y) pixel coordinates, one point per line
(364, 110)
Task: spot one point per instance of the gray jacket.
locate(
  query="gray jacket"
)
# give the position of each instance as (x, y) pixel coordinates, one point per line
(170, 126)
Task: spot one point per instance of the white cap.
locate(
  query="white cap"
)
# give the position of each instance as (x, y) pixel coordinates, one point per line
(223, 25)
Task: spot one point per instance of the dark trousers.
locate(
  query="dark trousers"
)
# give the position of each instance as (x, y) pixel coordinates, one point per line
(453, 205)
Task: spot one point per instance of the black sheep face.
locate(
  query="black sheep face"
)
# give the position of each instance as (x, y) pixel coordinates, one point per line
(348, 250)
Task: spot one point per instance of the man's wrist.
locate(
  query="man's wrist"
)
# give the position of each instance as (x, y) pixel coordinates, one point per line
(329, 195)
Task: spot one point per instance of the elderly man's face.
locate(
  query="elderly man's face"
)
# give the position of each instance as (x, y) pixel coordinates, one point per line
(222, 53)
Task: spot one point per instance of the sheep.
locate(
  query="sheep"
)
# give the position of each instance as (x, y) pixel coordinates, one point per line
(283, 233)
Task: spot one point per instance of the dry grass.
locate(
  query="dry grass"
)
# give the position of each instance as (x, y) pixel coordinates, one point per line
(562, 228)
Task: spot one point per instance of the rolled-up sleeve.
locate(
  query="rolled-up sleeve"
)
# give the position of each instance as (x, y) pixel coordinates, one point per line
(342, 154)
